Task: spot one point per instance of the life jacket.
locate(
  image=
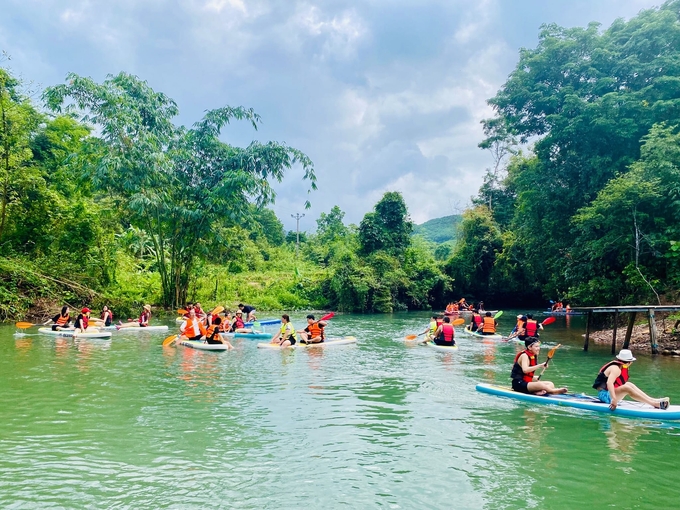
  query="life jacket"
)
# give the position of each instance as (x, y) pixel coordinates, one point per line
(192, 327)
(454, 307)
(213, 332)
(477, 319)
(238, 322)
(517, 372)
(601, 379)
(449, 308)
(62, 321)
(520, 324)
(314, 330)
(489, 325)
(226, 325)
(102, 317)
(433, 326)
(144, 318)
(531, 327)
(288, 327)
(447, 332)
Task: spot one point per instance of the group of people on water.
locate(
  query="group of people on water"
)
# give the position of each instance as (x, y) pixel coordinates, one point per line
(463, 306)
(84, 320)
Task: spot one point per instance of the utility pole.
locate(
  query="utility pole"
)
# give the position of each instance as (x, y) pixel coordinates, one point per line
(297, 217)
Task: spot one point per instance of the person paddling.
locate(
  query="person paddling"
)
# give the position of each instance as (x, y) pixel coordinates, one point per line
(61, 320)
(213, 334)
(314, 333)
(192, 328)
(489, 324)
(445, 333)
(529, 328)
(613, 386)
(523, 375)
(431, 328)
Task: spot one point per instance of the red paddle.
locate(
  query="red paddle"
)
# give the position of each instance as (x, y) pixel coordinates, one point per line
(549, 320)
(327, 317)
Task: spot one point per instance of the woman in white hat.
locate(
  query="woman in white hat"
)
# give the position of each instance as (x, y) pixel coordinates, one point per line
(142, 322)
(612, 384)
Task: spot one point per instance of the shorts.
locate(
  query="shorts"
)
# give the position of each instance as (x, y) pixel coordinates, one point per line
(291, 340)
(107, 323)
(604, 396)
(488, 333)
(520, 386)
(212, 341)
(142, 325)
(194, 338)
(437, 341)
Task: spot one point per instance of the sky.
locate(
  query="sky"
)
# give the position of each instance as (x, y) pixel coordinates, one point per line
(382, 95)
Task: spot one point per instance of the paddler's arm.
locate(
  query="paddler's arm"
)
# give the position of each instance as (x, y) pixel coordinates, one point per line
(526, 368)
(614, 372)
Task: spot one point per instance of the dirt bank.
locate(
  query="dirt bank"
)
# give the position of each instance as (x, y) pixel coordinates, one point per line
(668, 339)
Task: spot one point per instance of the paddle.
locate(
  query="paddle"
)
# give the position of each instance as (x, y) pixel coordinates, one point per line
(551, 353)
(457, 322)
(24, 325)
(182, 311)
(498, 314)
(169, 340)
(327, 317)
(216, 310)
(549, 320)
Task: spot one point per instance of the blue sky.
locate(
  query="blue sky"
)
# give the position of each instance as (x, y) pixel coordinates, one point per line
(383, 95)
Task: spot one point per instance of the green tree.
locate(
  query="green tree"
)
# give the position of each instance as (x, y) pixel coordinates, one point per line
(177, 183)
(330, 227)
(388, 227)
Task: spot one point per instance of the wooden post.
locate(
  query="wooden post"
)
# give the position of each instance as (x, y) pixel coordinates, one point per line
(629, 331)
(652, 332)
(585, 345)
(616, 323)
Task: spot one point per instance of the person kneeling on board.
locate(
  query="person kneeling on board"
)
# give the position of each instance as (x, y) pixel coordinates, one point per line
(612, 384)
(314, 333)
(213, 334)
(192, 328)
(489, 325)
(445, 333)
(286, 335)
(523, 375)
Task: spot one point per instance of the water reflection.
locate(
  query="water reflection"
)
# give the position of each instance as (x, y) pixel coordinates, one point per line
(622, 437)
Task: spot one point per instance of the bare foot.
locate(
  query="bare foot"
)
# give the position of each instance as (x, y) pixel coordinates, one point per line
(541, 393)
(560, 391)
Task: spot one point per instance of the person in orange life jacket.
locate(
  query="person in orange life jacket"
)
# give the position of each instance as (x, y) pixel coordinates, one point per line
(225, 325)
(432, 327)
(142, 322)
(314, 333)
(192, 328)
(489, 325)
(529, 328)
(518, 326)
(213, 334)
(523, 375)
(286, 335)
(612, 384)
(82, 321)
(445, 333)
(61, 320)
(476, 321)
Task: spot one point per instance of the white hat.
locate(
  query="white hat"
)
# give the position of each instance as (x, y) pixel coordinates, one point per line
(625, 355)
(519, 316)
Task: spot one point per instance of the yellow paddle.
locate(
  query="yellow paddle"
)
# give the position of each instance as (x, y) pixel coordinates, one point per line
(216, 310)
(182, 311)
(457, 322)
(551, 353)
(24, 325)
(169, 340)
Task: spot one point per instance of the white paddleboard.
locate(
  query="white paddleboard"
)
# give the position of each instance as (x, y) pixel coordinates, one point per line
(327, 343)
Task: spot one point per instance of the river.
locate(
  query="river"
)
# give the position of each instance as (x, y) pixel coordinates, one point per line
(125, 423)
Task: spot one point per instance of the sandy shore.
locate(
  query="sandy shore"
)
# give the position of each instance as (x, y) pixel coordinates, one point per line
(668, 339)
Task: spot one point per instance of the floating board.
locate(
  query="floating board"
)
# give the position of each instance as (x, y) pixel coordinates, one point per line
(625, 408)
(441, 348)
(252, 336)
(265, 322)
(69, 332)
(194, 344)
(146, 328)
(495, 336)
(558, 314)
(329, 342)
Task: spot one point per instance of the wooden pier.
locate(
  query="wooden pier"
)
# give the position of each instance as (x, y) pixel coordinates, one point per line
(650, 310)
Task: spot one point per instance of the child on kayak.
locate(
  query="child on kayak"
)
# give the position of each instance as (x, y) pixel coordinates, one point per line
(612, 384)
(523, 375)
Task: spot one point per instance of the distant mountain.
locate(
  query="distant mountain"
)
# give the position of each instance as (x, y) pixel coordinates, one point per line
(439, 230)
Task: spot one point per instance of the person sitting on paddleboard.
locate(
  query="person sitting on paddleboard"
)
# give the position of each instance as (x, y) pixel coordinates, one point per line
(445, 333)
(529, 328)
(192, 328)
(432, 327)
(612, 384)
(489, 324)
(523, 375)
(61, 320)
(476, 321)
(82, 321)
(213, 334)
(106, 316)
(314, 333)
(237, 325)
(286, 335)
(142, 322)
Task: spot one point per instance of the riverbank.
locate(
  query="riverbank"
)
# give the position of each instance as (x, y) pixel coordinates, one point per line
(668, 337)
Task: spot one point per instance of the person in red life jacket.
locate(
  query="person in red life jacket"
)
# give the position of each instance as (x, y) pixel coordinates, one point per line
(489, 325)
(61, 320)
(82, 321)
(612, 384)
(529, 328)
(106, 316)
(142, 322)
(476, 321)
(314, 333)
(445, 333)
(199, 311)
(237, 325)
(192, 328)
(523, 375)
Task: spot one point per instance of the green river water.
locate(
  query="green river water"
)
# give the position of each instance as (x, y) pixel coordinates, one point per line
(125, 423)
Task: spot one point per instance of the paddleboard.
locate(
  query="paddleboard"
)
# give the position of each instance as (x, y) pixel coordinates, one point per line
(327, 343)
(146, 328)
(441, 348)
(194, 344)
(495, 336)
(265, 322)
(69, 332)
(252, 336)
(580, 401)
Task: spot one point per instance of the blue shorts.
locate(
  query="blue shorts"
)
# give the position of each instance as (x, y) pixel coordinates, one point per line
(603, 395)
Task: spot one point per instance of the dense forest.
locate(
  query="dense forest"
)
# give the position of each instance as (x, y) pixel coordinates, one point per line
(105, 200)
